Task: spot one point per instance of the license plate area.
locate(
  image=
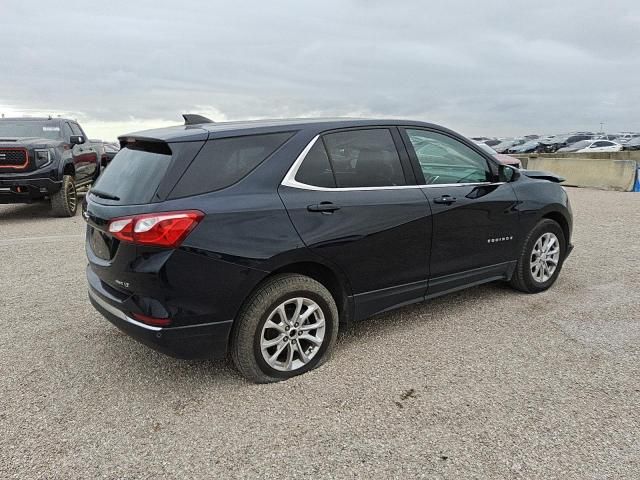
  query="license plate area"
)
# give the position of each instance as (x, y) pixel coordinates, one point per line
(102, 245)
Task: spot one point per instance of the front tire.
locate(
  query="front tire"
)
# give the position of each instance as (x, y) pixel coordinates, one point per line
(64, 203)
(541, 259)
(287, 327)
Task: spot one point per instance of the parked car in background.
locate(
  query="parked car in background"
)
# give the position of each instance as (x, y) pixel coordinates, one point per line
(46, 159)
(262, 238)
(110, 150)
(102, 155)
(607, 136)
(528, 147)
(626, 136)
(574, 147)
(554, 143)
(505, 145)
(501, 157)
(632, 144)
(596, 146)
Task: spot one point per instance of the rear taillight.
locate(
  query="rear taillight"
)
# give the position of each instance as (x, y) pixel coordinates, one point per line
(167, 229)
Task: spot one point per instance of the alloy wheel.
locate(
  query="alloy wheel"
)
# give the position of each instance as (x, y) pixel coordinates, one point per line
(293, 334)
(72, 197)
(545, 257)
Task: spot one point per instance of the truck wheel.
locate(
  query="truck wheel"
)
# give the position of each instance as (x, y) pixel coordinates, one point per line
(64, 203)
(287, 327)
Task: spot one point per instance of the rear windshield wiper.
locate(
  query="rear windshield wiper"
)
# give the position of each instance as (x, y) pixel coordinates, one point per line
(106, 195)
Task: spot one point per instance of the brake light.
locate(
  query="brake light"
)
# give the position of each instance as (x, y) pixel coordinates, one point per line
(167, 229)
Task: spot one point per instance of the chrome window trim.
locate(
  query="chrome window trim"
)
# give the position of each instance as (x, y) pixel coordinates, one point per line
(120, 314)
(290, 179)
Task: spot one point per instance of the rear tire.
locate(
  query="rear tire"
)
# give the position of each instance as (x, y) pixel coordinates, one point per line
(287, 327)
(541, 259)
(64, 203)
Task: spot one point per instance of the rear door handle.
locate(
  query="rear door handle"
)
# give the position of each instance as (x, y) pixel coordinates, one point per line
(324, 207)
(446, 199)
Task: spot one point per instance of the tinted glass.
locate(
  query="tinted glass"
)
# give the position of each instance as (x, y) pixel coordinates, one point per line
(134, 175)
(445, 160)
(316, 169)
(39, 129)
(364, 158)
(75, 129)
(224, 161)
(66, 129)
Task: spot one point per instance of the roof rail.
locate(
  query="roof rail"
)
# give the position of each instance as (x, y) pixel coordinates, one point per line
(193, 119)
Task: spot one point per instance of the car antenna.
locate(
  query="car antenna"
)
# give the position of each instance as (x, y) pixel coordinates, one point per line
(193, 119)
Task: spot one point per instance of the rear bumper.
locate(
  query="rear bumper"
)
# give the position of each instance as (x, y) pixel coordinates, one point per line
(202, 341)
(25, 190)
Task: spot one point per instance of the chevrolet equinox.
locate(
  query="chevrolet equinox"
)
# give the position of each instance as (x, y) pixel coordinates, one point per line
(261, 238)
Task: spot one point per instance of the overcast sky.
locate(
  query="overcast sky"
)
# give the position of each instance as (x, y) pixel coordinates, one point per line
(480, 67)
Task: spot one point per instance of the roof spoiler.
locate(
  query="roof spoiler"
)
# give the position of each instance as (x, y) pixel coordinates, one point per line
(193, 119)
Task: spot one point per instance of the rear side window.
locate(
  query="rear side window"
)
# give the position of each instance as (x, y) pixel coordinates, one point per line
(225, 161)
(134, 174)
(364, 158)
(316, 169)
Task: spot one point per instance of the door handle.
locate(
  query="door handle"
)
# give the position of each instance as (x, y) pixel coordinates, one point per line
(324, 207)
(446, 199)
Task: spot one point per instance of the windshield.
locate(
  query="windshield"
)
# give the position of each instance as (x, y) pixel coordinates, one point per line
(30, 128)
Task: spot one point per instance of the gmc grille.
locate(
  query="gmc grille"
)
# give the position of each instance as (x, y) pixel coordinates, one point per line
(13, 158)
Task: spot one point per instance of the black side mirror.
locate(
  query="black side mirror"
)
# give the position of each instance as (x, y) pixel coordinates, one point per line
(76, 140)
(507, 173)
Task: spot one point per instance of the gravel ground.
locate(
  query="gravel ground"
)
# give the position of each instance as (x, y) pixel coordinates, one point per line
(485, 383)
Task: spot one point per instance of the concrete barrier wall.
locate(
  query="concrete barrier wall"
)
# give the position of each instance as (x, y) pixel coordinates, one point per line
(624, 155)
(601, 173)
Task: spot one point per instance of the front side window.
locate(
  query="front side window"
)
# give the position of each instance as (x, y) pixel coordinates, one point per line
(364, 158)
(75, 129)
(444, 160)
(67, 131)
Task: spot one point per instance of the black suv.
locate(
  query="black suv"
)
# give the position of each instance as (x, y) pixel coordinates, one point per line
(261, 238)
(45, 158)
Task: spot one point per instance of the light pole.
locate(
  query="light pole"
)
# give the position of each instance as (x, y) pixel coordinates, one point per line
(601, 127)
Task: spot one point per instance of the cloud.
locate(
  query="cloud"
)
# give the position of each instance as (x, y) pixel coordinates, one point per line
(493, 67)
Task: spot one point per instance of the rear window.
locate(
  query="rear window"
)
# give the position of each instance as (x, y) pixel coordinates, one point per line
(134, 174)
(225, 161)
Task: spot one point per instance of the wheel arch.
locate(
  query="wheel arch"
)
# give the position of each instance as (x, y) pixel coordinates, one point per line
(332, 280)
(561, 220)
(327, 277)
(69, 169)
